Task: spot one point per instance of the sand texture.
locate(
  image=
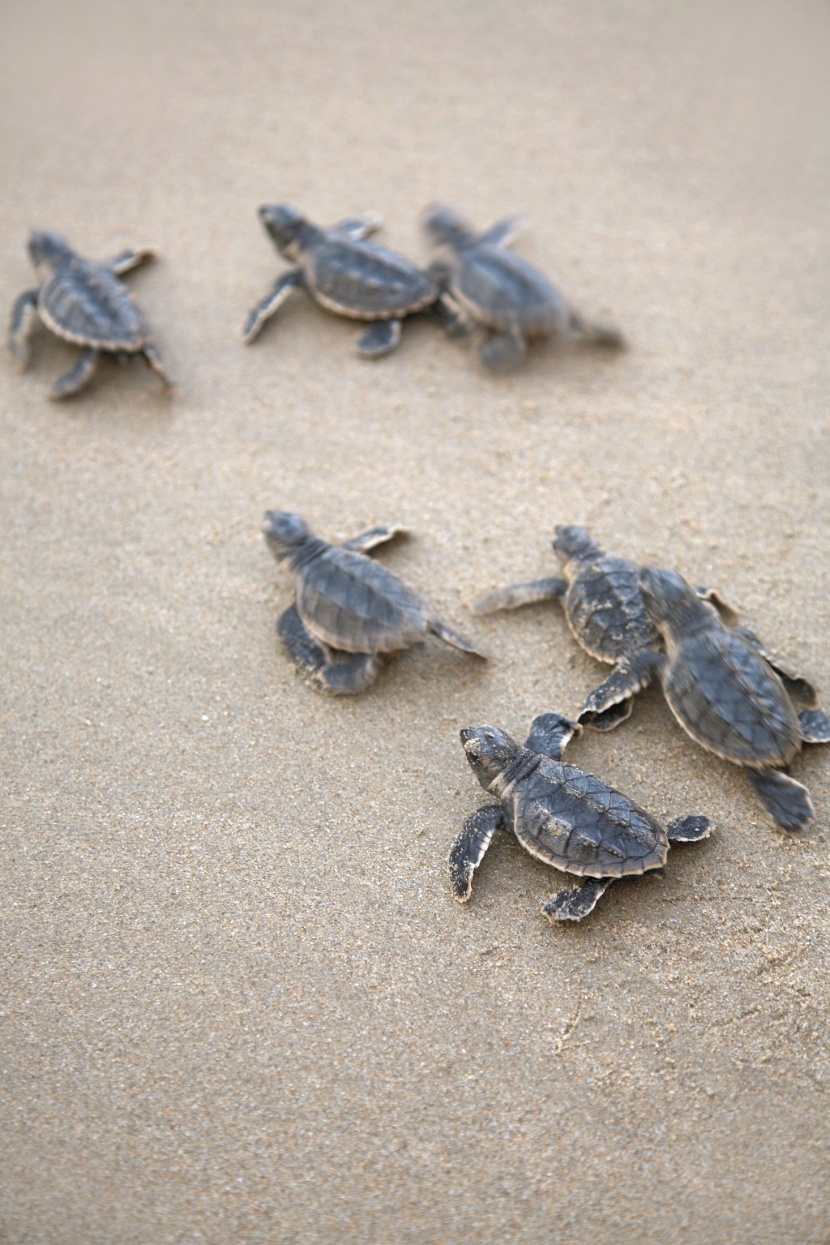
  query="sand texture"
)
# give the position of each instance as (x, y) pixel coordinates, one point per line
(240, 1004)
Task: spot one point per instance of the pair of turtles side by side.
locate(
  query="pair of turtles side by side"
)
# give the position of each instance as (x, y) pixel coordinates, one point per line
(83, 302)
(561, 815)
(345, 274)
(724, 687)
(348, 612)
(488, 288)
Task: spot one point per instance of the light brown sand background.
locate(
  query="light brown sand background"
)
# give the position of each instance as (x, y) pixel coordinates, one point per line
(240, 1003)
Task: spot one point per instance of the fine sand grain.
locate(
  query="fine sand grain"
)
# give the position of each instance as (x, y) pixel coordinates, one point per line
(240, 1004)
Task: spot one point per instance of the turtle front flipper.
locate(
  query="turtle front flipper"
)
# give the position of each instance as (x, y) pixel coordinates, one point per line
(74, 380)
(612, 702)
(378, 340)
(153, 359)
(356, 228)
(24, 318)
(502, 351)
(787, 801)
(273, 300)
(596, 334)
(127, 260)
(727, 613)
(550, 734)
(342, 677)
(515, 595)
(469, 848)
(446, 311)
(502, 233)
(689, 829)
(453, 638)
(815, 726)
(577, 902)
(798, 688)
(372, 538)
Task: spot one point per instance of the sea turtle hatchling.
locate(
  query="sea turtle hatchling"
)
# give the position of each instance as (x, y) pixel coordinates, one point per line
(344, 274)
(560, 815)
(84, 303)
(732, 696)
(489, 286)
(348, 611)
(605, 610)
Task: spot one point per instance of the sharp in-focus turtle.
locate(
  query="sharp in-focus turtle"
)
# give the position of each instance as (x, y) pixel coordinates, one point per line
(559, 814)
(732, 696)
(83, 302)
(348, 611)
(344, 274)
(491, 287)
(605, 610)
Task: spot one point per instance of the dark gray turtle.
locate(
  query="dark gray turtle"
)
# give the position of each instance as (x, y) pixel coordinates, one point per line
(560, 814)
(83, 302)
(490, 286)
(348, 611)
(732, 696)
(605, 610)
(344, 274)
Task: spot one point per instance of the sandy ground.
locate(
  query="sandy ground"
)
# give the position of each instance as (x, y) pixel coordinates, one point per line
(240, 1003)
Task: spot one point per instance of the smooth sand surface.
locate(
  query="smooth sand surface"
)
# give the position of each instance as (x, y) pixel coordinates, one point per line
(240, 1003)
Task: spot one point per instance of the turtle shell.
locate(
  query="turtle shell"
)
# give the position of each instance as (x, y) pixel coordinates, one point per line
(366, 281)
(504, 291)
(726, 696)
(575, 822)
(354, 604)
(83, 302)
(605, 609)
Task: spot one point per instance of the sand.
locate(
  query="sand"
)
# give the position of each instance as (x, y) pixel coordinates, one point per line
(241, 1004)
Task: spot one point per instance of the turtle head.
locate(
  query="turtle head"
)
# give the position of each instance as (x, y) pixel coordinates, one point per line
(573, 544)
(489, 751)
(284, 531)
(286, 227)
(445, 227)
(670, 601)
(48, 250)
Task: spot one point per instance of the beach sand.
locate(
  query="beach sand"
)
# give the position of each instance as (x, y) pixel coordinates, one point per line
(241, 1004)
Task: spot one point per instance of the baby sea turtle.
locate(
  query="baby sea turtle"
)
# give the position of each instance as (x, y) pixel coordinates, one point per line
(490, 286)
(344, 274)
(348, 610)
(560, 814)
(605, 610)
(83, 302)
(732, 696)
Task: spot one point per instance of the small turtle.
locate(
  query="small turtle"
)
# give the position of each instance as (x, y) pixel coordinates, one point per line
(732, 696)
(488, 285)
(348, 610)
(83, 302)
(344, 274)
(605, 610)
(559, 814)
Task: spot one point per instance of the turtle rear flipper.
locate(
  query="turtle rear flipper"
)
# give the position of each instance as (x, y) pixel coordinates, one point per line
(153, 360)
(798, 688)
(577, 902)
(787, 801)
(689, 829)
(469, 848)
(597, 334)
(453, 638)
(516, 595)
(815, 726)
(24, 318)
(605, 708)
(378, 340)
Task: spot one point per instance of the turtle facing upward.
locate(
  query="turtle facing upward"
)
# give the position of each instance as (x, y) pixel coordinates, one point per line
(605, 610)
(502, 293)
(345, 274)
(723, 688)
(83, 302)
(349, 612)
(561, 815)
